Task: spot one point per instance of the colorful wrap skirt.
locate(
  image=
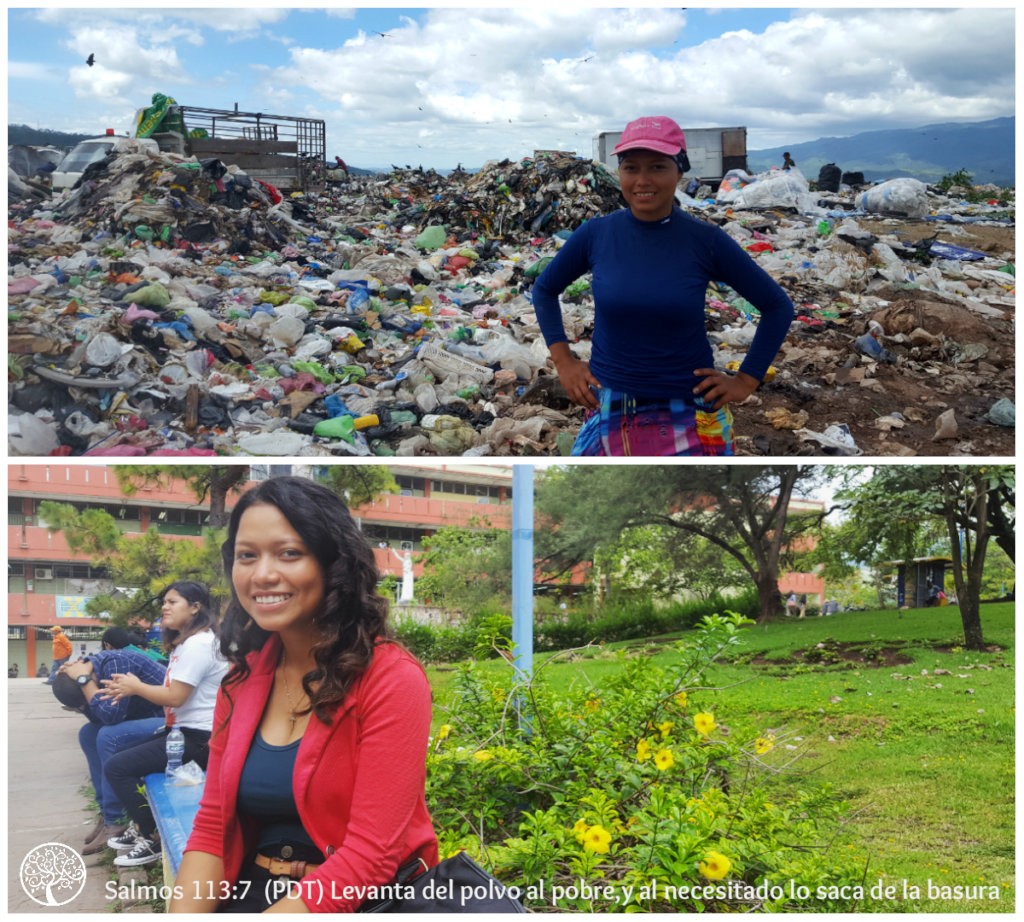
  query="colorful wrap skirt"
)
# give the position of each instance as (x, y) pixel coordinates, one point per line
(642, 427)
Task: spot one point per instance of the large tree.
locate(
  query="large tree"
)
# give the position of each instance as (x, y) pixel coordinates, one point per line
(466, 568)
(742, 510)
(966, 499)
(358, 484)
(213, 480)
(139, 566)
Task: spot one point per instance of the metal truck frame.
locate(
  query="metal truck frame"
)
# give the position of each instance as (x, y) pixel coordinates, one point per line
(286, 151)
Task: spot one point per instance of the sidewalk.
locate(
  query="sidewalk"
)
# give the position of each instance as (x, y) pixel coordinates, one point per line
(45, 773)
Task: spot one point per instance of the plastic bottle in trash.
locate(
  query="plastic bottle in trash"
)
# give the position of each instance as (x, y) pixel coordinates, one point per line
(175, 744)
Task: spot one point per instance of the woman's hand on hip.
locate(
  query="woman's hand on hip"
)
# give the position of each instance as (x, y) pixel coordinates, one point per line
(719, 387)
(575, 376)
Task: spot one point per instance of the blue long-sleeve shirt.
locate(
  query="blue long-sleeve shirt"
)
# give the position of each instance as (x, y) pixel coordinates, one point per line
(649, 283)
(105, 664)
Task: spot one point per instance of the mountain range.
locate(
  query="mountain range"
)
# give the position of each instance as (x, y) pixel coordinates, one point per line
(984, 149)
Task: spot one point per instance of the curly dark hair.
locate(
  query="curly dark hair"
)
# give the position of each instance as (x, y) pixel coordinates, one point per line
(192, 592)
(353, 618)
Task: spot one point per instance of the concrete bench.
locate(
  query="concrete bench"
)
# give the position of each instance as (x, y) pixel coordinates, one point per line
(174, 809)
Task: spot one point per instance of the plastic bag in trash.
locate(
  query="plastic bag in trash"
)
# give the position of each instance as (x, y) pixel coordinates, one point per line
(835, 440)
(897, 196)
(776, 187)
(1003, 413)
(731, 185)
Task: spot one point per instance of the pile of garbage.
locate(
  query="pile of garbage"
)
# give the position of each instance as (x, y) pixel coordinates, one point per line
(170, 307)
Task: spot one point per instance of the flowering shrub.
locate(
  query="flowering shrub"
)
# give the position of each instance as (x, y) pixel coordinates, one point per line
(627, 796)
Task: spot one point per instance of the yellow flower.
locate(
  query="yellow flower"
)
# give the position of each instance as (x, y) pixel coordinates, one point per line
(704, 723)
(664, 759)
(580, 830)
(714, 866)
(681, 699)
(443, 731)
(597, 839)
(643, 751)
(764, 744)
(592, 704)
(483, 755)
(666, 728)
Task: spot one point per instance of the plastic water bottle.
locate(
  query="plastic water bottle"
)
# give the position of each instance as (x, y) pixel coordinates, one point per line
(175, 752)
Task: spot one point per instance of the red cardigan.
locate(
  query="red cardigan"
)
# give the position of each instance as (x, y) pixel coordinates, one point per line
(359, 783)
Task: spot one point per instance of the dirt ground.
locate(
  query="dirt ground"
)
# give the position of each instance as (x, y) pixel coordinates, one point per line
(920, 386)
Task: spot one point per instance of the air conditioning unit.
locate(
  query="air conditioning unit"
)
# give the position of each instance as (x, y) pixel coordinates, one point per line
(44, 573)
(406, 545)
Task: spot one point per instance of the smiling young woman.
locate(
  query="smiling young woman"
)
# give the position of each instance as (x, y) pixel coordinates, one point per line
(650, 386)
(318, 759)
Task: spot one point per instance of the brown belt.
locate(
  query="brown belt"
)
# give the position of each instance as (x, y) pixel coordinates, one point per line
(278, 867)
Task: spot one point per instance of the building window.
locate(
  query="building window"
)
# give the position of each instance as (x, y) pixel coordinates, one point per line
(393, 536)
(411, 486)
(480, 492)
(75, 571)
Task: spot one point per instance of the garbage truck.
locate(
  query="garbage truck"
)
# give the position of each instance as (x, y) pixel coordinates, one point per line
(712, 151)
(284, 150)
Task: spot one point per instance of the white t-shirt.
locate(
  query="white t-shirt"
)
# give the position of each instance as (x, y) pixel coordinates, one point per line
(197, 662)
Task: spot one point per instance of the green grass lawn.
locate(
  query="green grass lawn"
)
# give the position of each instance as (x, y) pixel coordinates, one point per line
(925, 761)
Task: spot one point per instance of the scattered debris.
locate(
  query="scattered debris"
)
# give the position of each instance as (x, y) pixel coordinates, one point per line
(167, 306)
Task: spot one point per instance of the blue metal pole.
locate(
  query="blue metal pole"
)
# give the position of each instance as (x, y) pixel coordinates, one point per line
(522, 569)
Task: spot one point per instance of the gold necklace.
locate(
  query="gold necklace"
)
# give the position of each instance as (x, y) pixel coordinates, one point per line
(287, 691)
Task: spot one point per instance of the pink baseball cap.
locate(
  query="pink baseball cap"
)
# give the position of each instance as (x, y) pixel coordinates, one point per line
(653, 132)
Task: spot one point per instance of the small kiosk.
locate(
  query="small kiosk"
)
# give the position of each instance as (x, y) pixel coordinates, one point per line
(915, 579)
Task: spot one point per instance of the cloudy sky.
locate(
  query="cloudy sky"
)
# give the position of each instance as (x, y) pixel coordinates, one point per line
(439, 86)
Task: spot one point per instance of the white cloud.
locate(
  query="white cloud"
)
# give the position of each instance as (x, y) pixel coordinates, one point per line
(122, 59)
(473, 69)
(474, 84)
(28, 70)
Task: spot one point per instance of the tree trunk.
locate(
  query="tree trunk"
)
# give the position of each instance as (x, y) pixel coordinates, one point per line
(969, 561)
(768, 595)
(971, 618)
(222, 480)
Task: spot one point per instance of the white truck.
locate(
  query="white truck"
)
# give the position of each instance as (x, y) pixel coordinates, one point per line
(86, 152)
(712, 151)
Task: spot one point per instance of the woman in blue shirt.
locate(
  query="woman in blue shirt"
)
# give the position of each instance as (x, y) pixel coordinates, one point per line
(651, 386)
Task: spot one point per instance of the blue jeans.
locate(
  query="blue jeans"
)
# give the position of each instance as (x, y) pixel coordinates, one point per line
(99, 742)
(57, 663)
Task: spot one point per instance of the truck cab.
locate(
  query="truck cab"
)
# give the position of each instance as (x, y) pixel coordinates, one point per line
(87, 152)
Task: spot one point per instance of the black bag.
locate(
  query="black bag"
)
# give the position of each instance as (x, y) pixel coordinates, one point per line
(828, 178)
(457, 884)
